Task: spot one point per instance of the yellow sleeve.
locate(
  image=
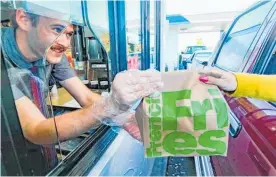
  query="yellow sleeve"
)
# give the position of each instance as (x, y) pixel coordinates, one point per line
(256, 86)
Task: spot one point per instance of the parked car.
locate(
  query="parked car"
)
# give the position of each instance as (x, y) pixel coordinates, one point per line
(190, 50)
(248, 46)
(199, 59)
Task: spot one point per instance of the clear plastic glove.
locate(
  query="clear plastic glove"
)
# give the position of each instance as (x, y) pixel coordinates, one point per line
(225, 80)
(127, 88)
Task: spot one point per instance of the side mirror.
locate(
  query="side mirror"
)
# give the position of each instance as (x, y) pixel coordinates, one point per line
(205, 63)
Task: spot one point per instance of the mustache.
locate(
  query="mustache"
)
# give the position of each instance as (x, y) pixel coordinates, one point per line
(58, 48)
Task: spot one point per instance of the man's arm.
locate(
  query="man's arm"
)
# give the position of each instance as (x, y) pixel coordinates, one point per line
(127, 87)
(67, 77)
(39, 130)
(80, 92)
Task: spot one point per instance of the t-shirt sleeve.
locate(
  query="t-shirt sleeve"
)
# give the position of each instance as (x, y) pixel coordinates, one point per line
(63, 70)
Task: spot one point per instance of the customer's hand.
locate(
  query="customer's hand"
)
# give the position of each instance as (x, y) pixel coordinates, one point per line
(224, 80)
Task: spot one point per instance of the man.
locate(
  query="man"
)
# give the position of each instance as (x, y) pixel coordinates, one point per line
(24, 48)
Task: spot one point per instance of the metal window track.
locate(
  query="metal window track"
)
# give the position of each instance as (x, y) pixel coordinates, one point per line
(203, 166)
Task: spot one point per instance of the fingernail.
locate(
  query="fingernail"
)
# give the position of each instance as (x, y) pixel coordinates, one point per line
(203, 79)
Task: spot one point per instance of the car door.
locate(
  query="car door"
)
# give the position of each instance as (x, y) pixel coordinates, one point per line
(259, 122)
(263, 118)
(248, 149)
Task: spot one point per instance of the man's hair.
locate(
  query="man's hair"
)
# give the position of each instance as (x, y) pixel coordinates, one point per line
(33, 17)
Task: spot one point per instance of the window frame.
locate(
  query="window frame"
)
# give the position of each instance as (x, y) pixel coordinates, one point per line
(253, 43)
(268, 49)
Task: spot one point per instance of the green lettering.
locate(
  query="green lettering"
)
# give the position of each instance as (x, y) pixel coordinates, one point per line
(199, 111)
(222, 112)
(171, 111)
(152, 150)
(155, 110)
(155, 127)
(152, 100)
(179, 143)
(155, 135)
(206, 141)
(155, 121)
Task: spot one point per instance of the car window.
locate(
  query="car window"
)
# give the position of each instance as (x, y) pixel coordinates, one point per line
(189, 50)
(202, 56)
(196, 48)
(240, 38)
(192, 49)
(271, 67)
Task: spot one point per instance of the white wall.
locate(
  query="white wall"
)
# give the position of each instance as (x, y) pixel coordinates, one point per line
(209, 39)
(171, 46)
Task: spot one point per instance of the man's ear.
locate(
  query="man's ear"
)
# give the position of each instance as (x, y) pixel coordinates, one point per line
(23, 20)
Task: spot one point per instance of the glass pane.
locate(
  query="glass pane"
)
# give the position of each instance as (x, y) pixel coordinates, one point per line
(34, 37)
(133, 32)
(240, 38)
(98, 45)
(85, 58)
(271, 67)
(98, 20)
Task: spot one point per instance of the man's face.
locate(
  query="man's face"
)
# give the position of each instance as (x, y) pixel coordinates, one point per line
(50, 37)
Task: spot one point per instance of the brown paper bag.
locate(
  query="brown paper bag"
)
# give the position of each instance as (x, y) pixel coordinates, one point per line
(188, 118)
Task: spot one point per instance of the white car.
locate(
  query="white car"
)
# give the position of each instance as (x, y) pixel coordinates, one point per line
(199, 59)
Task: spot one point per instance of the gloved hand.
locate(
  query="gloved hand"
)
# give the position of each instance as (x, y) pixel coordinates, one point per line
(224, 80)
(131, 85)
(127, 88)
